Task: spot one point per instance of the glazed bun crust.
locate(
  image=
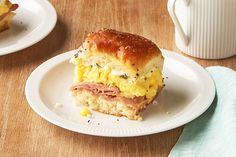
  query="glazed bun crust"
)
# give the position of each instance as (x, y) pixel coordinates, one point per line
(127, 48)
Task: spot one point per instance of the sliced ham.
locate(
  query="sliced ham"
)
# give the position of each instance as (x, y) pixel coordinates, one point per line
(97, 89)
(110, 93)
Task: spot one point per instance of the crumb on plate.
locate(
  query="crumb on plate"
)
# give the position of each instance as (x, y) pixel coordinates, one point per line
(85, 112)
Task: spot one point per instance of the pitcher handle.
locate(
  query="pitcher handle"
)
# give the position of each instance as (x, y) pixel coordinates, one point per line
(171, 10)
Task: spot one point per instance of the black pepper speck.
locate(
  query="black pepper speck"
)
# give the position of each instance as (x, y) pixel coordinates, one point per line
(76, 55)
(124, 76)
(98, 65)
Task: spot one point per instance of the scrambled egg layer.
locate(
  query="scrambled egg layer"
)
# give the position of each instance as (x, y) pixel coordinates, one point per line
(129, 86)
(4, 7)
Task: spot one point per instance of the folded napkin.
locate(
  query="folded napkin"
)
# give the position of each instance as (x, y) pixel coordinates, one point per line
(213, 134)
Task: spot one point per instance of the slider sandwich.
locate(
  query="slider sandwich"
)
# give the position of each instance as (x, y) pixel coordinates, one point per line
(117, 73)
(6, 14)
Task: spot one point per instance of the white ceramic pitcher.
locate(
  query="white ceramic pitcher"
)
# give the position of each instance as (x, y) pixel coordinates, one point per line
(205, 28)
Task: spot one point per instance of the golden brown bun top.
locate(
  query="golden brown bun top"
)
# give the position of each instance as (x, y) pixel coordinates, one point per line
(129, 48)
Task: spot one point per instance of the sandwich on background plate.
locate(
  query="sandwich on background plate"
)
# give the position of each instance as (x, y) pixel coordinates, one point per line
(117, 73)
(6, 14)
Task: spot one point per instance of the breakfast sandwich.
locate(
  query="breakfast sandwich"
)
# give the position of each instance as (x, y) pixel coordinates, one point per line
(6, 14)
(117, 73)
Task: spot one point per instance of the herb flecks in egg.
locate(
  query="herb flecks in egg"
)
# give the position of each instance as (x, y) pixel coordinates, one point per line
(97, 65)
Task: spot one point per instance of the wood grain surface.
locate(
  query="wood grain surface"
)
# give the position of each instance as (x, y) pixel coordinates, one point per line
(24, 133)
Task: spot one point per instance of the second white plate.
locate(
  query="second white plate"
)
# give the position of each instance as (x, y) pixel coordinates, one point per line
(33, 21)
(189, 91)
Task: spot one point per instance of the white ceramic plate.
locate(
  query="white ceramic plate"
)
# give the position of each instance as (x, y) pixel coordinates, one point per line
(189, 91)
(33, 21)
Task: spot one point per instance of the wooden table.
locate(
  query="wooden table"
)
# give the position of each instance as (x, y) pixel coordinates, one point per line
(24, 133)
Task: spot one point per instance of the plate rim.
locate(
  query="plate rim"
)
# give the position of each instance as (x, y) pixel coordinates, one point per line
(59, 121)
(50, 25)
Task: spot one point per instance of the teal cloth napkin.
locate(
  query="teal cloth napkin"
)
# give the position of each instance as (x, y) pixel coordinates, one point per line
(213, 134)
